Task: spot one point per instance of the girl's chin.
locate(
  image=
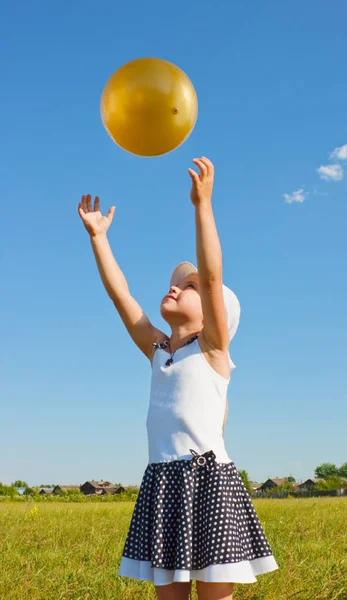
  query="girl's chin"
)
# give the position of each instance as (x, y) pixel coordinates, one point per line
(165, 307)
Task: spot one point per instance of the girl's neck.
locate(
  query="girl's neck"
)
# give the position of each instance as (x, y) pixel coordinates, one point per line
(176, 341)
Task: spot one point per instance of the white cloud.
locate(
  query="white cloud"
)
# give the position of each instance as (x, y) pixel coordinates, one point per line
(330, 172)
(297, 196)
(333, 172)
(339, 153)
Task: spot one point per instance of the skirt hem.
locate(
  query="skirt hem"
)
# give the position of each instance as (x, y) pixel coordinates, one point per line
(244, 571)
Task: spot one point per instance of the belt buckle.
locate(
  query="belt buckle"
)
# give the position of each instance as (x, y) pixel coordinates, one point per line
(198, 459)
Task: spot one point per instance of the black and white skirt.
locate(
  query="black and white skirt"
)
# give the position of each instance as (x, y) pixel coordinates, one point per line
(194, 519)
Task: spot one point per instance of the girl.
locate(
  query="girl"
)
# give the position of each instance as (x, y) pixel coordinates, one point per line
(193, 518)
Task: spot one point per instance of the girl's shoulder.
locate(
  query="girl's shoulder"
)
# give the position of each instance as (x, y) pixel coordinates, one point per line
(219, 360)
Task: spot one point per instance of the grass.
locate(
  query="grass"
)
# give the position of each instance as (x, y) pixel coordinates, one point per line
(68, 551)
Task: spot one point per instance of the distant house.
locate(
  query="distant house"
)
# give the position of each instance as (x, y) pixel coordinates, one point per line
(272, 483)
(65, 488)
(310, 484)
(307, 485)
(112, 490)
(255, 486)
(100, 488)
(89, 488)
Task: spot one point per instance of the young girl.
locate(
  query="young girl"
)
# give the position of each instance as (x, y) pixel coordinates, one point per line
(193, 518)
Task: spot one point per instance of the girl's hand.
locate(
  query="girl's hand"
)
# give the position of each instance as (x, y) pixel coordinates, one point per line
(201, 192)
(94, 222)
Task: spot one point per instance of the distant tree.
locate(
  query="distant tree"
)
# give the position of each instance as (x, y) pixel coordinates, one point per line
(244, 476)
(60, 493)
(20, 483)
(8, 490)
(291, 479)
(74, 493)
(342, 471)
(326, 470)
(286, 486)
(331, 483)
(29, 491)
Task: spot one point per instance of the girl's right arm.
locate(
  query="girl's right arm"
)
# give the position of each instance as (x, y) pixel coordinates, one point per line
(137, 323)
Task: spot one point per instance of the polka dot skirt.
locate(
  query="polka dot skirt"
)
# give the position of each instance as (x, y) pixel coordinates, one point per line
(192, 514)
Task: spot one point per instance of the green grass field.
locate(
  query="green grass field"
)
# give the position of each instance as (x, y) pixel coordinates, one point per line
(72, 551)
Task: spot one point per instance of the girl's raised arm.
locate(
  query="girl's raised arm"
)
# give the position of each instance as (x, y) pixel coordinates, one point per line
(136, 322)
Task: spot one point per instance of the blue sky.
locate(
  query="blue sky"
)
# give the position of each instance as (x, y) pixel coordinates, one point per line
(271, 84)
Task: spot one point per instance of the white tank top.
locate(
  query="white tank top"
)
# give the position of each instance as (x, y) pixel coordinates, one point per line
(187, 406)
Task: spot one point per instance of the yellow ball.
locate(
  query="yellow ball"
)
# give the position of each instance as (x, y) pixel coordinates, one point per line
(149, 106)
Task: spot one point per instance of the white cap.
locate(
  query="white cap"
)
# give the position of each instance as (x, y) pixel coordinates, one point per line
(231, 303)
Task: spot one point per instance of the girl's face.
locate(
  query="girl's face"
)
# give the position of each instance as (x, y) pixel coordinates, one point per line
(183, 303)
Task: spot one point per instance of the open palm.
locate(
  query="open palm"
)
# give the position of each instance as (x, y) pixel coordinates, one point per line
(93, 220)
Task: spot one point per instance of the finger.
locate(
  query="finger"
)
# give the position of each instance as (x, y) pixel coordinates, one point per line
(97, 203)
(89, 203)
(209, 164)
(111, 213)
(81, 211)
(194, 175)
(201, 165)
(84, 203)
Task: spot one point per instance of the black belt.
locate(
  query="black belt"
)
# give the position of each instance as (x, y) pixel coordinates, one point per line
(202, 460)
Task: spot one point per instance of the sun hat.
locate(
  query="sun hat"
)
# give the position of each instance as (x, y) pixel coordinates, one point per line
(231, 302)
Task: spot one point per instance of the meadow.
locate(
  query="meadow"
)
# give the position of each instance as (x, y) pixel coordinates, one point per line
(72, 551)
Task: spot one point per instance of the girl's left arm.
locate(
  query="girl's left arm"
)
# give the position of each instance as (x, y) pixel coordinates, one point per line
(209, 256)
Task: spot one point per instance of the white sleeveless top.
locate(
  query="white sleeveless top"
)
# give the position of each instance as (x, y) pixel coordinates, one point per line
(187, 406)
